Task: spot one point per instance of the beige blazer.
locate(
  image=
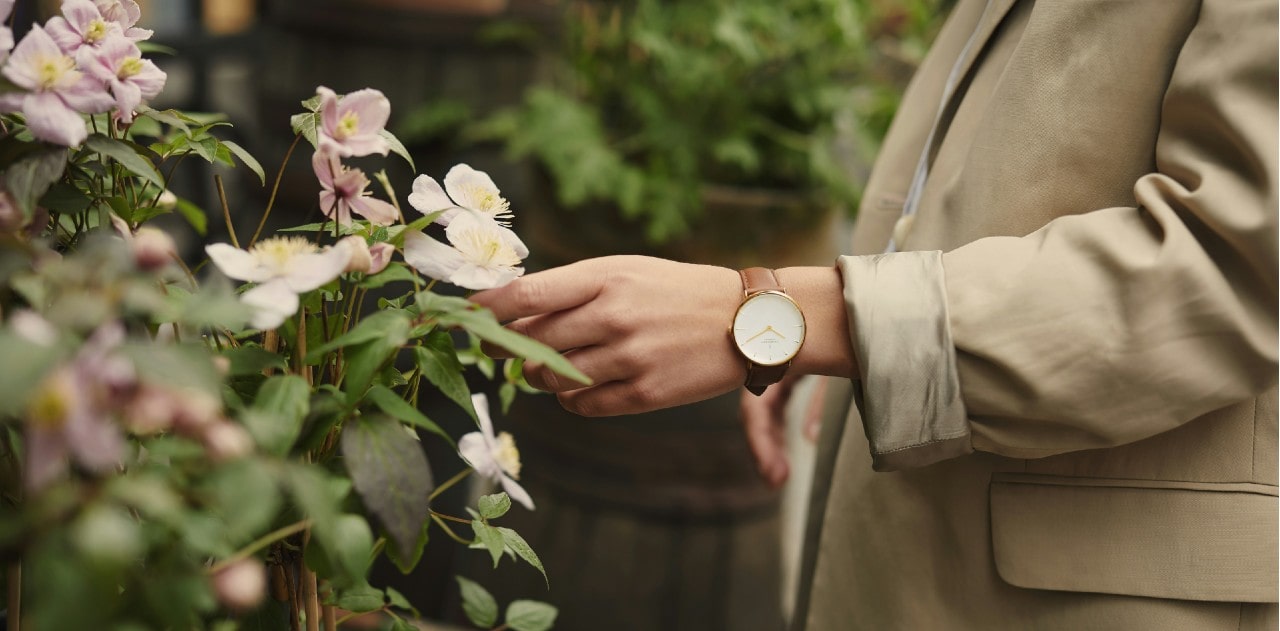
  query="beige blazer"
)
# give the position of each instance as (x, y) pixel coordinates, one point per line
(1067, 415)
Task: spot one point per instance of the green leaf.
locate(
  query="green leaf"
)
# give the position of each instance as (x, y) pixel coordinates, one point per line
(530, 615)
(341, 550)
(477, 603)
(371, 328)
(482, 323)
(521, 548)
(25, 364)
(244, 496)
(396, 407)
(168, 117)
(312, 104)
(361, 598)
(66, 198)
(490, 537)
(397, 147)
(251, 360)
(305, 124)
(366, 359)
(398, 600)
(248, 159)
(31, 176)
(439, 363)
(127, 155)
(275, 419)
(394, 272)
(194, 215)
(391, 474)
(494, 506)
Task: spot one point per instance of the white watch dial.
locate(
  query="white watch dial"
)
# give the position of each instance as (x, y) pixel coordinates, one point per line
(769, 329)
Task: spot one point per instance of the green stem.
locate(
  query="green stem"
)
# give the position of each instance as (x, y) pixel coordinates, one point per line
(462, 475)
(260, 543)
(448, 530)
(275, 188)
(226, 210)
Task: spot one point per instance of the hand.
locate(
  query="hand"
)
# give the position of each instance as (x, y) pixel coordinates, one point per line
(765, 422)
(650, 333)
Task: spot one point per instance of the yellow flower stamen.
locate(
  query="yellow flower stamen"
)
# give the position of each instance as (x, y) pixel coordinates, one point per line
(129, 67)
(276, 252)
(348, 125)
(507, 456)
(96, 31)
(51, 70)
(487, 249)
(488, 201)
(51, 404)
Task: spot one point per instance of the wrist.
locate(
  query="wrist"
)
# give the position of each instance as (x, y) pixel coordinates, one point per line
(827, 349)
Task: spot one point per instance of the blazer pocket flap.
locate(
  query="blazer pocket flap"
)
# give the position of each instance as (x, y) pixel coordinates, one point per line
(1188, 541)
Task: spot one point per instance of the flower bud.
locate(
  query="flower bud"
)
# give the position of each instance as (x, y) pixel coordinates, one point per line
(151, 411)
(361, 260)
(153, 248)
(381, 255)
(167, 200)
(195, 411)
(241, 585)
(222, 364)
(225, 440)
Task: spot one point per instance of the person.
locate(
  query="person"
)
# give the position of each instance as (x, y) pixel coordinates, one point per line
(1052, 359)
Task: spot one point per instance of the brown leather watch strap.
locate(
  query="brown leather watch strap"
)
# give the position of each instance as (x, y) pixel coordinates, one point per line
(759, 376)
(756, 279)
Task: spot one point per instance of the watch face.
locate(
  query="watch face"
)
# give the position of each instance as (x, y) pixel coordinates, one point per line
(769, 328)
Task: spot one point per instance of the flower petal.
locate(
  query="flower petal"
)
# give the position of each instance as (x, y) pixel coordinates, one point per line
(468, 186)
(50, 119)
(427, 197)
(371, 106)
(325, 166)
(309, 271)
(476, 451)
(516, 492)
(431, 257)
(272, 303)
(380, 253)
(471, 276)
(236, 263)
(374, 209)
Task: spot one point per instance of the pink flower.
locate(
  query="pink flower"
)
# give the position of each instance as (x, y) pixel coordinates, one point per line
(344, 193)
(380, 255)
(81, 25)
(118, 64)
(351, 125)
(69, 416)
(126, 13)
(56, 92)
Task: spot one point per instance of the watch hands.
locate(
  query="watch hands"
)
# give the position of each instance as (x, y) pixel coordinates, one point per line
(766, 329)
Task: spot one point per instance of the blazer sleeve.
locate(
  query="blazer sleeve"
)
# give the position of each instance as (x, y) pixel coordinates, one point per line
(1107, 327)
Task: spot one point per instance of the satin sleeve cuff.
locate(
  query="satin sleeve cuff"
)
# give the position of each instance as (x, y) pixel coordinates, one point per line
(910, 401)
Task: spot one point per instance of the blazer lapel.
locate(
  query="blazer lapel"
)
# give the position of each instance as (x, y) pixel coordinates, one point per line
(991, 18)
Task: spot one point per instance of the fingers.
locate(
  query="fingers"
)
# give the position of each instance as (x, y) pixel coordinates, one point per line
(765, 427)
(548, 291)
(598, 363)
(562, 330)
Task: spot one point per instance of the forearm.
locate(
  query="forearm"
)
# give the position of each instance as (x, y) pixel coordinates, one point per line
(827, 349)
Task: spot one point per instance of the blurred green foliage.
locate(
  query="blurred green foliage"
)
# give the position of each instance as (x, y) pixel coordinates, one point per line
(647, 101)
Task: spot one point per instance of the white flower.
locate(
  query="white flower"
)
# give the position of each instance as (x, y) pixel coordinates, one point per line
(468, 189)
(283, 267)
(494, 457)
(483, 254)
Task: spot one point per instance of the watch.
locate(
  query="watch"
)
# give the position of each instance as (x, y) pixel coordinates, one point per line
(768, 328)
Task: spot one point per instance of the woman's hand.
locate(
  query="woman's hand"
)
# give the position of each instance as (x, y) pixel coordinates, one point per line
(649, 332)
(653, 333)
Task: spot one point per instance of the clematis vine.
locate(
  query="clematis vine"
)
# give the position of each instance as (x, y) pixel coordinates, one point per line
(56, 92)
(81, 25)
(483, 254)
(283, 267)
(494, 457)
(352, 125)
(343, 191)
(118, 64)
(468, 189)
